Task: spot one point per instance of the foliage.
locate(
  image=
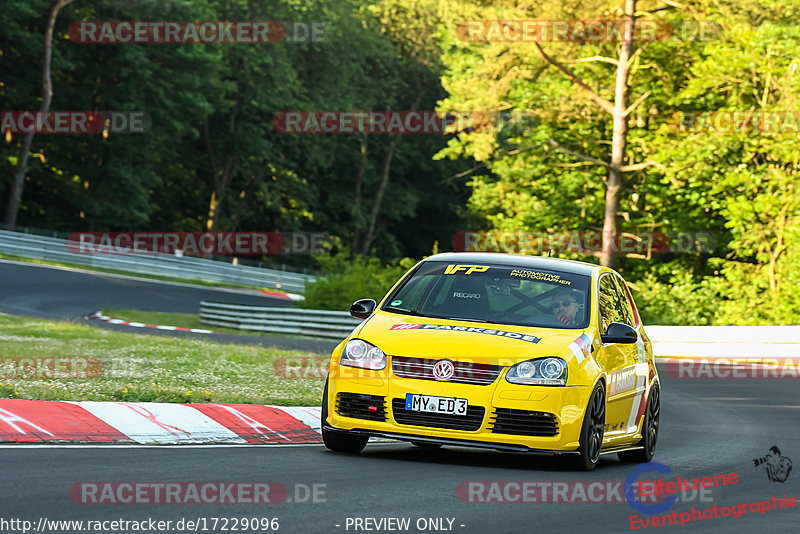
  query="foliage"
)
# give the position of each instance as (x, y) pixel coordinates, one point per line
(350, 280)
(212, 137)
(212, 107)
(741, 187)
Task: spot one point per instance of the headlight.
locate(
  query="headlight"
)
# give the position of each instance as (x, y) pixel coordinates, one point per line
(358, 353)
(544, 372)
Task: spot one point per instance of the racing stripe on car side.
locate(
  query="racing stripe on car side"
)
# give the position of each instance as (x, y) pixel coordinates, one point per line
(645, 398)
(638, 400)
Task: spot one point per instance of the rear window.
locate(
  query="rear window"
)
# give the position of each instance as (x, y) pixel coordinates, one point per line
(494, 293)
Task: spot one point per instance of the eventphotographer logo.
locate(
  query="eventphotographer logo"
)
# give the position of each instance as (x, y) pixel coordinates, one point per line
(777, 467)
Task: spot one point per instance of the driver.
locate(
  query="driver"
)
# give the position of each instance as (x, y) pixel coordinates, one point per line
(564, 306)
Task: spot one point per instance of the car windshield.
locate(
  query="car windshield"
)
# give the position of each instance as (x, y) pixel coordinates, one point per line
(494, 293)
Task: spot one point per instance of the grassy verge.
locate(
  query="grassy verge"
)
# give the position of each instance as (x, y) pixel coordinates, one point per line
(137, 275)
(140, 368)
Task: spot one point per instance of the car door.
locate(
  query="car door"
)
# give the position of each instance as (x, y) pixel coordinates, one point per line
(637, 358)
(619, 358)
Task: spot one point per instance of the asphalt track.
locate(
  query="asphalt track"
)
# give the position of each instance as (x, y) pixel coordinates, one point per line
(59, 293)
(708, 427)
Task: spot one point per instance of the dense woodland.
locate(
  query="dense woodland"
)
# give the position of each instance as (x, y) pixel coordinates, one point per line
(549, 162)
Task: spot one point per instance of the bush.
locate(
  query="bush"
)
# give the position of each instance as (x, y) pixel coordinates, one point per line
(738, 293)
(684, 300)
(347, 281)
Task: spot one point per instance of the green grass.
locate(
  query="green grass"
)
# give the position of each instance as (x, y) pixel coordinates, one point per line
(136, 275)
(141, 368)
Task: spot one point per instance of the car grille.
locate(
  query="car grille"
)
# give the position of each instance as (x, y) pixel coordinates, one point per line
(465, 372)
(523, 423)
(370, 407)
(470, 422)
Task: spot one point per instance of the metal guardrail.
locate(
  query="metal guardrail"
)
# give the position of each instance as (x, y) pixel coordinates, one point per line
(725, 341)
(312, 323)
(186, 267)
(690, 341)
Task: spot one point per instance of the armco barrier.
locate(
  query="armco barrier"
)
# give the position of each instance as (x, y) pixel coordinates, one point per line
(688, 341)
(312, 323)
(185, 268)
(726, 341)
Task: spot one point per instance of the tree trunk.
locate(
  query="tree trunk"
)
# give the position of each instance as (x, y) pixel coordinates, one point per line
(18, 184)
(222, 177)
(618, 141)
(376, 204)
(362, 166)
(386, 168)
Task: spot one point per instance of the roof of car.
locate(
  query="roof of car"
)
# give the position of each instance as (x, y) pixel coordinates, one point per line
(519, 260)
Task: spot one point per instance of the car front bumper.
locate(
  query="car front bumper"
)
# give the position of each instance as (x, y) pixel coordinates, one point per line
(374, 405)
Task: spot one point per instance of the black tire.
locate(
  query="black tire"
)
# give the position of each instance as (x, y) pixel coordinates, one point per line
(649, 431)
(426, 445)
(341, 441)
(591, 440)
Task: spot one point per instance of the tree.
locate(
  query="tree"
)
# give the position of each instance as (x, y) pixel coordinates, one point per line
(18, 184)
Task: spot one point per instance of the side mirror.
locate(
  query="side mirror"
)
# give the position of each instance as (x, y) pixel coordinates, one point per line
(361, 309)
(620, 333)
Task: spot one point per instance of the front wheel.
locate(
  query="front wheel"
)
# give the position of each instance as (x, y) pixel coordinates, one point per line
(649, 431)
(591, 439)
(340, 441)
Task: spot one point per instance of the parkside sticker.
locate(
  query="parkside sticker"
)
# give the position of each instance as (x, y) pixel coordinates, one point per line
(501, 333)
(622, 381)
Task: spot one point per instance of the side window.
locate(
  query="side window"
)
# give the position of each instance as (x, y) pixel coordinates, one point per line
(610, 308)
(626, 302)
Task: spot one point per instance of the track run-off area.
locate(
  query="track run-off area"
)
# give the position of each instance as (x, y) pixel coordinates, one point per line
(709, 427)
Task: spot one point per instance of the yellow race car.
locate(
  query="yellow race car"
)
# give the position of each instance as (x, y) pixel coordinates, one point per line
(500, 351)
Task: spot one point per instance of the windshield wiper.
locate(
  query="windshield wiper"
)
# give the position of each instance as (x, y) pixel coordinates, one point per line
(406, 312)
(418, 314)
(458, 318)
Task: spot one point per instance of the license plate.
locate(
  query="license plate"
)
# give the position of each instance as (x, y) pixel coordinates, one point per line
(428, 403)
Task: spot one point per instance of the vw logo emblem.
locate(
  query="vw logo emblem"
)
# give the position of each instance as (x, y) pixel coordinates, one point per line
(443, 370)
